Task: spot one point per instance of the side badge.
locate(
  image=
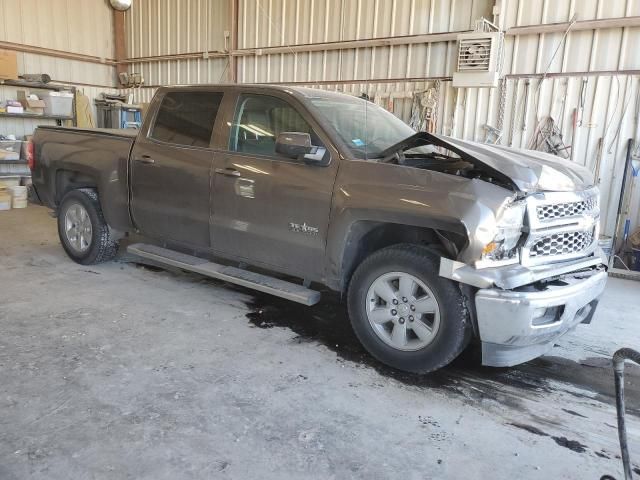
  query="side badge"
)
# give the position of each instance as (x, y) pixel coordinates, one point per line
(304, 228)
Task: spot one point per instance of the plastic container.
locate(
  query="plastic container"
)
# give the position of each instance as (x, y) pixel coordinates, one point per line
(57, 103)
(18, 197)
(10, 149)
(635, 259)
(5, 199)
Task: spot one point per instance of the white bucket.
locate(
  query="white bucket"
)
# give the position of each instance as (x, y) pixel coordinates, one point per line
(19, 197)
(606, 243)
(8, 182)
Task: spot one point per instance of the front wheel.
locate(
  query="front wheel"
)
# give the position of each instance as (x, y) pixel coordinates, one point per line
(404, 313)
(82, 229)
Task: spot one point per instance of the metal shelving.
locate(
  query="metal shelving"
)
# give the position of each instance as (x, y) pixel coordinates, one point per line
(36, 117)
(41, 86)
(20, 84)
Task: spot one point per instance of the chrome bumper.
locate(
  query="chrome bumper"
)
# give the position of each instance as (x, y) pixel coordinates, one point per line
(516, 275)
(518, 325)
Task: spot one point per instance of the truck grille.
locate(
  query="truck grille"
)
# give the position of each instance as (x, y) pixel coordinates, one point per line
(562, 210)
(561, 226)
(562, 244)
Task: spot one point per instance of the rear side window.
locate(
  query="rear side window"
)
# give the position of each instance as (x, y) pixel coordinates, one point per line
(186, 118)
(258, 121)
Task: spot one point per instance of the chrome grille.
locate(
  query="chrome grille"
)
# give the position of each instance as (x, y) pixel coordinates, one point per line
(569, 209)
(561, 244)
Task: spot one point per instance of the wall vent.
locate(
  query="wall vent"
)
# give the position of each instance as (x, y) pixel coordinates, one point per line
(479, 59)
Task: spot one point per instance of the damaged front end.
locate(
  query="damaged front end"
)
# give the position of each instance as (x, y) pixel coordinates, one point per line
(533, 262)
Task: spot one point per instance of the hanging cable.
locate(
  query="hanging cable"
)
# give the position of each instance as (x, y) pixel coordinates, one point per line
(521, 109)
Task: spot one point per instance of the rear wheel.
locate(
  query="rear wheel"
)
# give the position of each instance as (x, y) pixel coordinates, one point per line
(404, 313)
(82, 229)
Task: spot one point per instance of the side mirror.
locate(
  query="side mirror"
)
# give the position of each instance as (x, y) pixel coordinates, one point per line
(298, 145)
(293, 144)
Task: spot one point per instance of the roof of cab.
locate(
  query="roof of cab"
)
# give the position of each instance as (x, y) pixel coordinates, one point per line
(305, 92)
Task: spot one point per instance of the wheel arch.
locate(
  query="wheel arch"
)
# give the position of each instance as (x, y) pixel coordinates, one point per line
(365, 237)
(67, 180)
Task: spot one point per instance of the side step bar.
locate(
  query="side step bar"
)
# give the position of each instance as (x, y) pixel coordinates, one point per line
(245, 278)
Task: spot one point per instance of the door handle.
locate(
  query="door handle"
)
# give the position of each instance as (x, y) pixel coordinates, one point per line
(229, 172)
(146, 159)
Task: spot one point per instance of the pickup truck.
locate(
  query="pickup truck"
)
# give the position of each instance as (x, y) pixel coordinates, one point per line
(433, 242)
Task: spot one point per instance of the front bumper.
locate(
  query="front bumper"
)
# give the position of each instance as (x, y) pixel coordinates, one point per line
(521, 324)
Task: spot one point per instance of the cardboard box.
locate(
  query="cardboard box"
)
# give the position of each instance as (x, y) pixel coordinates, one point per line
(34, 107)
(8, 65)
(14, 109)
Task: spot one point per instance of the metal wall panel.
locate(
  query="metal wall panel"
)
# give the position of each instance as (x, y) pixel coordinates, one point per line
(78, 26)
(268, 23)
(175, 72)
(65, 70)
(165, 27)
(585, 108)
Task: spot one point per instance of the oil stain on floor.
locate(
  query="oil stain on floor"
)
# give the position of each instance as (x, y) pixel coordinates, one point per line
(327, 324)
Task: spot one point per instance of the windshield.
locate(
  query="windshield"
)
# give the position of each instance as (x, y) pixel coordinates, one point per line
(365, 128)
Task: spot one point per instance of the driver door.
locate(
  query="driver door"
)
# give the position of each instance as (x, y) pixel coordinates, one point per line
(269, 209)
(171, 168)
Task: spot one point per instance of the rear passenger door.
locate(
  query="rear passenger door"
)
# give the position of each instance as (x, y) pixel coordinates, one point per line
(269, 209)
(171, 168)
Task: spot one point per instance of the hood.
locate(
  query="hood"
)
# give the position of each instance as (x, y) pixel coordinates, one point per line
(528, 170)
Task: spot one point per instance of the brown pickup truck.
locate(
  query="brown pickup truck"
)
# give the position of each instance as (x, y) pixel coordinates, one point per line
(434, 242)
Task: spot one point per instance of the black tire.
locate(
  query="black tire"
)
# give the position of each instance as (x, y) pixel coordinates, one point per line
(454, 332)
(102, 246)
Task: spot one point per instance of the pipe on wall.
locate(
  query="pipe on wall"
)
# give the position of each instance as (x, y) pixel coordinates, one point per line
(50, 52)
(624, 22)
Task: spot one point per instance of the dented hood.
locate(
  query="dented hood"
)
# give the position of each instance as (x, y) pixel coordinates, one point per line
(527, 170)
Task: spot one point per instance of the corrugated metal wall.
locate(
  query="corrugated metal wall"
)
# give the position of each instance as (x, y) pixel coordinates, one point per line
(78, 26)
(585, 107)
(168, 27)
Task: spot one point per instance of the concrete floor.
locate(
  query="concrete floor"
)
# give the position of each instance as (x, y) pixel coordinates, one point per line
(122, 371)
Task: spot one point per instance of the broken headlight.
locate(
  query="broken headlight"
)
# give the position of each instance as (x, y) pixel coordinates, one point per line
(504, 245)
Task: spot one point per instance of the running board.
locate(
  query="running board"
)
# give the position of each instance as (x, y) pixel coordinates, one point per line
(238, 276)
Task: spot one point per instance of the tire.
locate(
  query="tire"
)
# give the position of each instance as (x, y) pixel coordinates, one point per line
(94, 243)
(448, 327)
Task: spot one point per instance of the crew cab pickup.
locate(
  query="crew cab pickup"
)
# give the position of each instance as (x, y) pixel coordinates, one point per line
(433, 242)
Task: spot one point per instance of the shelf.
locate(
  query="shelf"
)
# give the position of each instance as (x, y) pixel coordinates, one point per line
(36, 85)
(13, 162)
(41, 86)
(34, 117)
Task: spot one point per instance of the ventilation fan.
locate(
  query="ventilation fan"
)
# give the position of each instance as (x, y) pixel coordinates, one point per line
(478, 59)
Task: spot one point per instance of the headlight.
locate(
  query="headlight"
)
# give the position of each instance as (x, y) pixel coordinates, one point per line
(508, 233)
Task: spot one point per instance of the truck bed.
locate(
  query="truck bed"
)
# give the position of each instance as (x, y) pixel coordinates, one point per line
(69, 157)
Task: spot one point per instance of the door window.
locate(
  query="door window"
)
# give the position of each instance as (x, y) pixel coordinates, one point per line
(258, 121)
(186, 118)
